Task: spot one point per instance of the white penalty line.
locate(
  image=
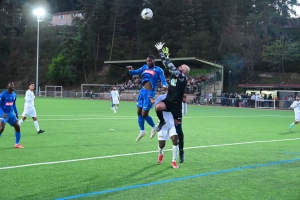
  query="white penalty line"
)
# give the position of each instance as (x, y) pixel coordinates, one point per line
(140, 153)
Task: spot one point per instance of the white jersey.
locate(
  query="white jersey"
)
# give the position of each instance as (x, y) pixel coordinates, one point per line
(296, 106)
(168, 130)
(29, 99)
(115, 96)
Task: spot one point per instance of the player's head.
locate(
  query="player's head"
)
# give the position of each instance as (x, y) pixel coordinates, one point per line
(297, 97)
(184, 69)
(151, 61)
(10, 86)
(31, 85)
(114, 88)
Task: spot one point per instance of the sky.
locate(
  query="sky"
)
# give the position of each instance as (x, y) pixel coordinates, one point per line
(298, 9)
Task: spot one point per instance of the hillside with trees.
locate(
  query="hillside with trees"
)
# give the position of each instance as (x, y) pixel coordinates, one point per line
(245, 36)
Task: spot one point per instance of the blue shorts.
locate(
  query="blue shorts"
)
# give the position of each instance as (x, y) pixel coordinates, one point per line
(143, 100)
(11, 119)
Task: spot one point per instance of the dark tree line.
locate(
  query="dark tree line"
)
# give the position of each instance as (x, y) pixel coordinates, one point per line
(243, 35)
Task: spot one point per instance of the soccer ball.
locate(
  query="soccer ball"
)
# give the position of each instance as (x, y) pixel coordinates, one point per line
(147, 14)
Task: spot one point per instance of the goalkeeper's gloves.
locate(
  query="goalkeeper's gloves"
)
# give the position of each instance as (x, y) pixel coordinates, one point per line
(159, 45)
(166, 51)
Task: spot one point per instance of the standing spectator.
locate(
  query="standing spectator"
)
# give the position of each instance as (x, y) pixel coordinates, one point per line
(115, 98)
(253, 98)
(285, 104)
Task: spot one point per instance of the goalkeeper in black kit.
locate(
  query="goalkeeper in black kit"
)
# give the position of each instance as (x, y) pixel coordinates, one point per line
(173, 102)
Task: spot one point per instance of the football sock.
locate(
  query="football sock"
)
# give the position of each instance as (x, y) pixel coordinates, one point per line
(161, 151)
(175, 153)
(180, 136)
(21, 122)
(150, 121)
(18, 137)
(160, 116)
(141, 122)
(36, 124)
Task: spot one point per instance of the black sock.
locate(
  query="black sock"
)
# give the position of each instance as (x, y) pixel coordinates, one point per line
(160, 116)
(180, 136)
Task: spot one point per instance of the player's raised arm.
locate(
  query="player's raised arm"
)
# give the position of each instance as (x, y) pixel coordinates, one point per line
(168, 64)
(135, 72)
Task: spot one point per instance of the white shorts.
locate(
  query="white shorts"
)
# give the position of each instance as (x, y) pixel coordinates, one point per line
(29, 112)
(297, 117)
(115, 101)
(166, 132)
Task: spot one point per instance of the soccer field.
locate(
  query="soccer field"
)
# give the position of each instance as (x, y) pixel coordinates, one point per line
(88, 152)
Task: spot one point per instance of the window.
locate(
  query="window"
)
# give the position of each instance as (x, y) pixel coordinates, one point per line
(61, 16)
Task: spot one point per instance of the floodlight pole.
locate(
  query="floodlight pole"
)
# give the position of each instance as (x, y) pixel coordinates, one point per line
(229, 81)
(37, 58)
(40, 14)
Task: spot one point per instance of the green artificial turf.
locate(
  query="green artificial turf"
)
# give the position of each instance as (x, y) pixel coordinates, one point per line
(88, 152)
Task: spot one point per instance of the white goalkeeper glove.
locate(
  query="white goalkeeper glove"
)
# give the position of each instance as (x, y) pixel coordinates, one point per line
(159, 45)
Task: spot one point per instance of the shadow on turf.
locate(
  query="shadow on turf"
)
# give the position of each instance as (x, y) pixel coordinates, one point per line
(288, 132)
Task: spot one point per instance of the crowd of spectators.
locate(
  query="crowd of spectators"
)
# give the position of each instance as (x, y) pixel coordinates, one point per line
(193, 85)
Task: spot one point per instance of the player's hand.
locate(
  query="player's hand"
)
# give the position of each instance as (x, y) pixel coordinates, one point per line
(4, 115)
(166, 51)
(129, 67)
(159, 45)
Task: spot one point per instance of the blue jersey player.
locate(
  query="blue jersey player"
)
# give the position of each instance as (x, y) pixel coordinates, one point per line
(151, 76)
(9, 112)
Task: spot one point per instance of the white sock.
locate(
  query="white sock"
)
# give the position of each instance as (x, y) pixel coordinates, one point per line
(175, 153)
(36, 124)
(160, 151)
(21, 122)
(117, 107)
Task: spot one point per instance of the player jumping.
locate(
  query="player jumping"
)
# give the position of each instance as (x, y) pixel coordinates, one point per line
(151, 75)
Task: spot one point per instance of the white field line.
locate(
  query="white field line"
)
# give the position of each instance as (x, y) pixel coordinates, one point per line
(97, 117)
(140, 153)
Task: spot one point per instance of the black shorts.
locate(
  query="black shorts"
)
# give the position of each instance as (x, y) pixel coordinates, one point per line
(174, 108)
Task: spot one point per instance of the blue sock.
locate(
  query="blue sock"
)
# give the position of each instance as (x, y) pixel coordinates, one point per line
(141, 122)
(18, 137)
(150, 121)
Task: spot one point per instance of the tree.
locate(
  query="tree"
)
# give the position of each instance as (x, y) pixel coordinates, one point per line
(279, 51)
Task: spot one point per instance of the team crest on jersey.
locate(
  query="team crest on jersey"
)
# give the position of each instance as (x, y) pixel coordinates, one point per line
(152, 72)
(173, 82)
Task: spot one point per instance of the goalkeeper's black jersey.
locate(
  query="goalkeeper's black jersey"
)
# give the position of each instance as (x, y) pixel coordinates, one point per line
(176, 90)
(178, 81)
